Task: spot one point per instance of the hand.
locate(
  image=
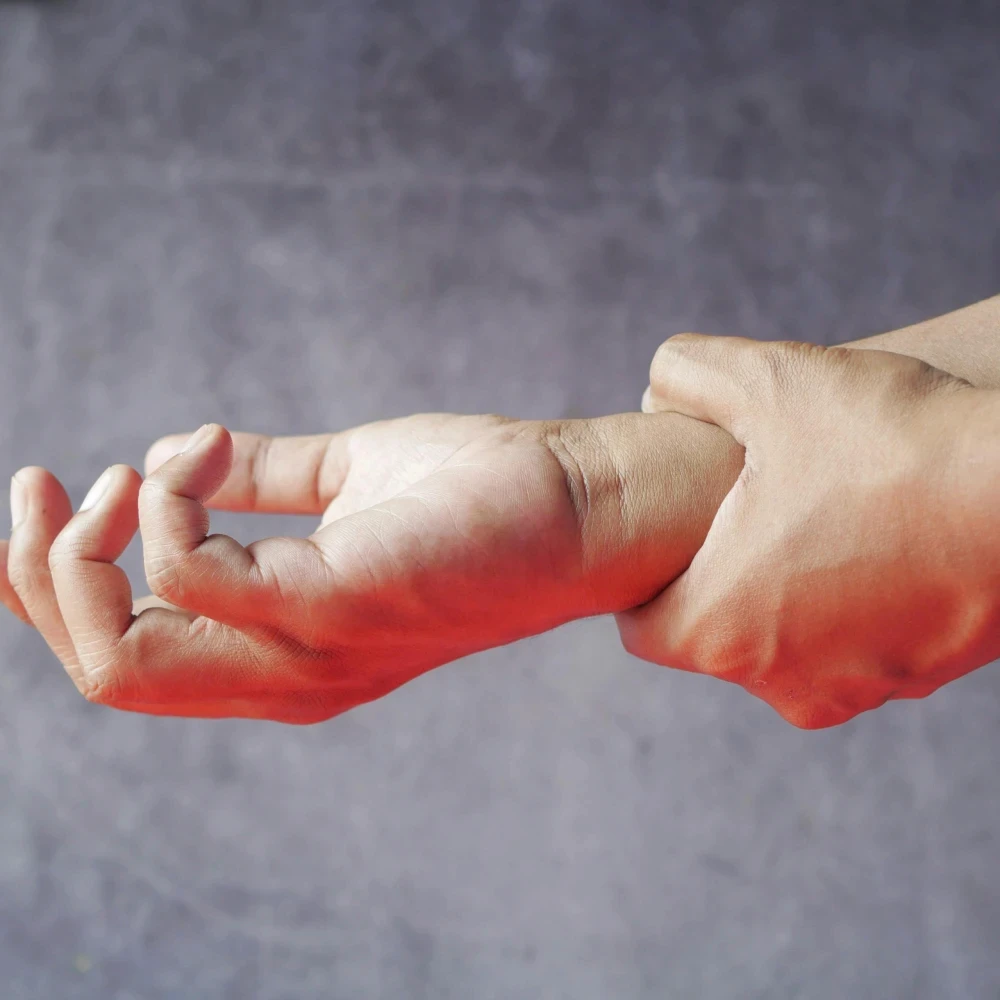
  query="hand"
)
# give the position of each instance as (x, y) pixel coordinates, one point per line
(850, 564)
(440, 536)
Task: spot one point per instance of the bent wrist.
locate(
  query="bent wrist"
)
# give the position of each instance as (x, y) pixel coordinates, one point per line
(646, 488)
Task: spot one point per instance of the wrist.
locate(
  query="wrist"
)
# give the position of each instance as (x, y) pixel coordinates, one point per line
(645, 488)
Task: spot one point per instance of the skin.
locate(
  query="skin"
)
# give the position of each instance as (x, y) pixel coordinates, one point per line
(965, 343)
(856, 558)
(440, 536)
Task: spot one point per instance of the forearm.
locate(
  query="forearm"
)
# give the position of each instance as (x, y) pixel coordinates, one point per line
(965, 343)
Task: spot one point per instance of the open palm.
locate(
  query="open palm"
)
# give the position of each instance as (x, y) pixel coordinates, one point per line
(440, 535)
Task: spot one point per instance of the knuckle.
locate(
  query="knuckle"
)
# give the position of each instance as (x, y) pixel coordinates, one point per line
(66, 548)
(152, 490)
(800, 354)
(727, 664)
(783, 364)
(651, 638)
(102, 686)
(812, 715)
(718, 647)
(19, 576)
(682, 643)
(845, 356)
(158, 494)
(152, 494)
(167, 580)
(776, 371)
(669, 353)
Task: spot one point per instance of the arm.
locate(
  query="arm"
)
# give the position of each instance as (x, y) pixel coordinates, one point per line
(704, 461)
(857, 559)
(441, 535)
(965, 343)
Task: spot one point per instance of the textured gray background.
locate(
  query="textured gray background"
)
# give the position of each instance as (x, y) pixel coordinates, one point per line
(300, 216)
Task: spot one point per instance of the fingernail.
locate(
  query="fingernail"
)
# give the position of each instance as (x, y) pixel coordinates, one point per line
(196, 439)
(18, 503)
(647, 404)
(97, 490)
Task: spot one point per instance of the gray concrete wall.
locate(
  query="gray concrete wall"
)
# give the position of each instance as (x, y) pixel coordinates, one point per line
(305, 215)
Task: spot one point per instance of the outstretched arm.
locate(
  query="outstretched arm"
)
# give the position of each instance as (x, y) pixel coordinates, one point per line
(441, 535)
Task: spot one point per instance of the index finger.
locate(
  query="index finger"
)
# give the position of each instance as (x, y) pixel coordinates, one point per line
(266, 585)
(273, 475)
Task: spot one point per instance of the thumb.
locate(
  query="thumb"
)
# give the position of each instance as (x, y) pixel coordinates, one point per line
(725, 381)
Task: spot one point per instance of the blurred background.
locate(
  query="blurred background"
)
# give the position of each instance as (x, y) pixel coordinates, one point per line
(301, 216)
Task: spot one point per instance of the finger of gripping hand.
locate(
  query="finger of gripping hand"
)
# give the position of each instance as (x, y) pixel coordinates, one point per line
(725, 380)
(719, 379)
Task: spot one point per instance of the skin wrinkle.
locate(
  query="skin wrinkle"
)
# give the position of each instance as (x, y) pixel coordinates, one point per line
(623, 520)
(577, 484)
(258, 470)
(331, 471)
(478, 493)
(352, 541)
